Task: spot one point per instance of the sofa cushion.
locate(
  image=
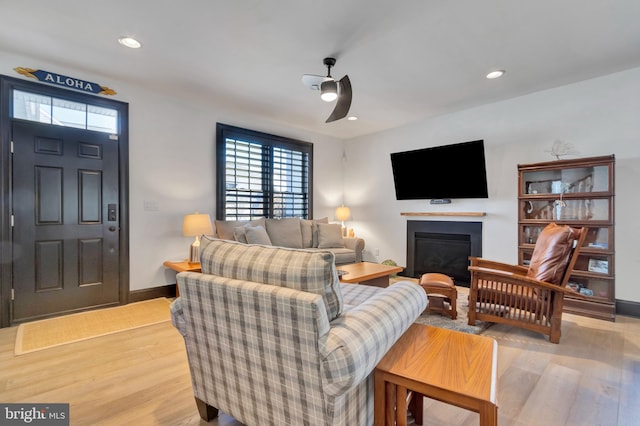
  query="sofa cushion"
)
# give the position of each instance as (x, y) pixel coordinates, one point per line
(257, 235)
(552, 252)
(225, 228)
(285, 232)
(342, 255)
(330, 235)
(304, 270)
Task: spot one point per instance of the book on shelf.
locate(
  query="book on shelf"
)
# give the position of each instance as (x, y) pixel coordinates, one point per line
(598, 245)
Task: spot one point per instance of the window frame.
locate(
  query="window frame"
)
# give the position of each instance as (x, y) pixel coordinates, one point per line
(269, 142)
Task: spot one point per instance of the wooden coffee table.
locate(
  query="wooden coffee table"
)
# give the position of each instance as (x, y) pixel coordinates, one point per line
(368, 273)
(450, 366)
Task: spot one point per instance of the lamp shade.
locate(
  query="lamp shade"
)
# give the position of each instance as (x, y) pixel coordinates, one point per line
(343, 213)
(197, 224)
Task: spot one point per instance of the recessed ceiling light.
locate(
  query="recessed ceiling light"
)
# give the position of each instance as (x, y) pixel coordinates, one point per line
(352, 118)
(495, 74)
(129, 42)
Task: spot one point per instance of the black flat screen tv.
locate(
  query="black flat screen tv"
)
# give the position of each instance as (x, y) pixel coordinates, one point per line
(441, 172)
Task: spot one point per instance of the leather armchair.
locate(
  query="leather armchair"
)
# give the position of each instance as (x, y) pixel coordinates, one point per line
(528, 297)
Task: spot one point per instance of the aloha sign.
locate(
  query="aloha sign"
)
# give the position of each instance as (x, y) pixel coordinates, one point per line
(63, 80)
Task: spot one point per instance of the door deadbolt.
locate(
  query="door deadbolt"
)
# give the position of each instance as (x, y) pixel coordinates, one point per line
(111, 213)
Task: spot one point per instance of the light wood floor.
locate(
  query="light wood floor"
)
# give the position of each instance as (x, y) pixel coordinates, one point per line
(141, 377)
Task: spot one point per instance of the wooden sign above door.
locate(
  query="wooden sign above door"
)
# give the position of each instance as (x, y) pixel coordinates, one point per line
(63, 80)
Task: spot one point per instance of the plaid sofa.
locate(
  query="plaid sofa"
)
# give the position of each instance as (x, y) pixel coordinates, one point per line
(273, 338)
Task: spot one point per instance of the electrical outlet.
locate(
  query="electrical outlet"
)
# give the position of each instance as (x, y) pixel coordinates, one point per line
(150, 206)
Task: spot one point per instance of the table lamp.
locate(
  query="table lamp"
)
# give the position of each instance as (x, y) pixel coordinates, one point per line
(195, 225)
(342, 214)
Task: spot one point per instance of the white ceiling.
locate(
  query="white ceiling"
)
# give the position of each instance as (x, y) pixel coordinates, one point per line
(407, 59)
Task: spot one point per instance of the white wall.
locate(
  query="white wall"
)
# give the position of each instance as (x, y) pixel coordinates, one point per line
(172, 166)
(599, 117)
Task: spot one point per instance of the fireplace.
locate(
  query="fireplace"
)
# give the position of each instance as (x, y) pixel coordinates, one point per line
(445, 247)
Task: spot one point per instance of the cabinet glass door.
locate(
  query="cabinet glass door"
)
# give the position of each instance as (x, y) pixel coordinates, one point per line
(567, 181)
(596, 209)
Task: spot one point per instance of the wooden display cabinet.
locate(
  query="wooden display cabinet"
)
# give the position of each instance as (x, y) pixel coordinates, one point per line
(579, 193)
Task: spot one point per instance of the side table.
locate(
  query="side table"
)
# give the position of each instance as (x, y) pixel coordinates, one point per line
(450, 366)
(184, 266)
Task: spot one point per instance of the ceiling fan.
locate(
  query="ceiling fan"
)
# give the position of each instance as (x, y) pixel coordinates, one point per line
(331, 89)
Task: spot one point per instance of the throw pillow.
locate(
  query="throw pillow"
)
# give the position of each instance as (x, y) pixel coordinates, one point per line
(285, 232)
(314, 236)
(303, 270)
(240, 234)
(552, 253)
(330, 235)
(225, 228)
(257, 235)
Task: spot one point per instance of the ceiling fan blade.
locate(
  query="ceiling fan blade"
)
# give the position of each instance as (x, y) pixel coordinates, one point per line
(344, 100)
(313, 82)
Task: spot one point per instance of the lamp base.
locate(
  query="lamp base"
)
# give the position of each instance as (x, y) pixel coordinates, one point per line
(194, 254)
(194, 251)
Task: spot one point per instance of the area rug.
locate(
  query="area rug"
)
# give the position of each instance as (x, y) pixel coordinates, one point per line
(48, 333)
(436, 319)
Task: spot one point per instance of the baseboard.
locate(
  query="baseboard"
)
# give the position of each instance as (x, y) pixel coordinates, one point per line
(628, 308)
(152, 293)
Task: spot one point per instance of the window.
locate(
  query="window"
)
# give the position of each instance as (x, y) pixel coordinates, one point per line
(61, 112)
(262, 175)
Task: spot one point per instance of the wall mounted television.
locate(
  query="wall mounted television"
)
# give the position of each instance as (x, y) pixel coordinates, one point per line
(441, 173)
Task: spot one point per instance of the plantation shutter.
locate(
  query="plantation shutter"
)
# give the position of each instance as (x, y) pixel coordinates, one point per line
(261, 175)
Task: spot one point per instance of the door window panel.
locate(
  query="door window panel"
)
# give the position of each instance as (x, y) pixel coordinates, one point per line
(61, 112)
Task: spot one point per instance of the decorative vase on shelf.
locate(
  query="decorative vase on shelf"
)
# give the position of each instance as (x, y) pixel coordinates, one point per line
(559, 205)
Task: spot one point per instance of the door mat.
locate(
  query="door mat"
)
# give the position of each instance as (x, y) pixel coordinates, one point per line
(48, 333)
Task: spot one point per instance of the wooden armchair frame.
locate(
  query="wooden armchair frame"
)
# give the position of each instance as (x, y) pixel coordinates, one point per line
(502, 293)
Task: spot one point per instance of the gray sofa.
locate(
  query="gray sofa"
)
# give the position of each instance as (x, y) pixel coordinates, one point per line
(293, 232)
(273, 338)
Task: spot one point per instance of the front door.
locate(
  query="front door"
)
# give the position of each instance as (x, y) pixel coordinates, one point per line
(66, 220)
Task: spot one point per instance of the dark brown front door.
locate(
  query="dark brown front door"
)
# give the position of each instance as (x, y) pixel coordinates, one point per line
(66, 224)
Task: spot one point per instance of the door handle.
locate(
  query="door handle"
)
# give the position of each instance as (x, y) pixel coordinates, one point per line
(112, 228)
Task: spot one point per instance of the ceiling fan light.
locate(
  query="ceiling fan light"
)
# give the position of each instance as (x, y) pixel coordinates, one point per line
(329, 91)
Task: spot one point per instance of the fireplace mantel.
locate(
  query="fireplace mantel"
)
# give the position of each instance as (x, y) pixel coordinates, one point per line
(474, 214)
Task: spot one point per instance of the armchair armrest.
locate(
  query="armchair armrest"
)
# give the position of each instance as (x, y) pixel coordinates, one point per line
(361, 336)
(177, 316)
(490, 264)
